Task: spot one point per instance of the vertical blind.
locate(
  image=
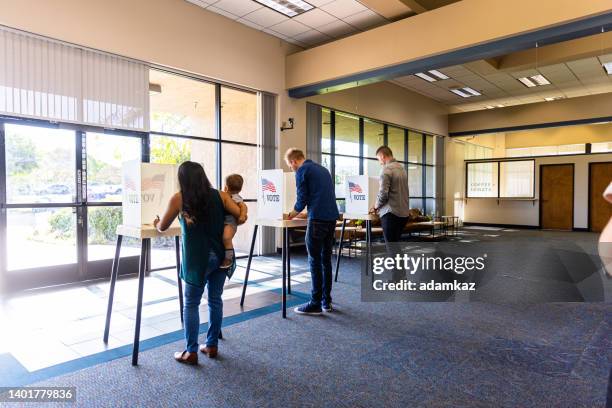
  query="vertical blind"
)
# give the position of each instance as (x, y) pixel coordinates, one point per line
(46, 79)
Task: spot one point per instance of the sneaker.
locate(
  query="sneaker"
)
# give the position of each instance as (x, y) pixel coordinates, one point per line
(327, 307)
(226, 263)
(308, 309)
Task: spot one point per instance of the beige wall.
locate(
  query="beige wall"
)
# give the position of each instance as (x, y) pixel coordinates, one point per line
(586, 107)
(560, 135)
(489, 211)
(180, 35)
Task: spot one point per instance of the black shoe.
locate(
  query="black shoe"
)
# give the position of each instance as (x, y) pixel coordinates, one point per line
(308, 309)
(327, 307)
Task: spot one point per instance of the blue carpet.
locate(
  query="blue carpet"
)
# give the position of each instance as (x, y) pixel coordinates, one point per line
(391, 354)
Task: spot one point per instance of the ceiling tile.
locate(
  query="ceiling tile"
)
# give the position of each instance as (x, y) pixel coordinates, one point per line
(265, 17)
(344, 8)
(250, 24)
(290, 28)
(315, 18)
(318, 3)
(365, 19)
(312, 37)
(238, 7)
(222, 12)
(337, 29)
(201, 3)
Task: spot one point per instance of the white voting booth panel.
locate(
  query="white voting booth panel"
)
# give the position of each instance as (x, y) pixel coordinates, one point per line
(277, 194)
(147, 188)
(361, 194)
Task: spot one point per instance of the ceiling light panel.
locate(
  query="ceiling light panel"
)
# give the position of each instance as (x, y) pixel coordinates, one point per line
(425, 77)
(534, 80)
(607, 66)
(290, 8)
(438, 74)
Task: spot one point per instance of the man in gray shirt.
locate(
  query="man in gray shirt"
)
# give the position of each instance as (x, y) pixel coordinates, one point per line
(392, 200)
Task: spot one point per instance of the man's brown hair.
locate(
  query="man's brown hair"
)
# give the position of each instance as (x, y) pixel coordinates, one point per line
(234, 183)
(294, 154)
(385, 150)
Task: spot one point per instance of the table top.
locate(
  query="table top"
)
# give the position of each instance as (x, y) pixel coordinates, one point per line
(146, 231)
(366, 217)
(296, 222)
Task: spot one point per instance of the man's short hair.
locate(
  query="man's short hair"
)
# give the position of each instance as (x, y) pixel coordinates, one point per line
(385, 150)
(234, 183)
(294, 154)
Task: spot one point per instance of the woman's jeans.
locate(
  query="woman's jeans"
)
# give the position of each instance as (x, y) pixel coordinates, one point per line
(214, 279)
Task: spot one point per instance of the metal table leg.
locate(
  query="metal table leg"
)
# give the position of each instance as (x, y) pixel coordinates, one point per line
(368, 244)
(111, 293)
(288, 261)
(340, 249)
(177, 246)
(248, 268)
(284, 290)
(141, 276)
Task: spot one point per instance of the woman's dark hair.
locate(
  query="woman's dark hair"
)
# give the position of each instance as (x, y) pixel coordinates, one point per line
(196, 190)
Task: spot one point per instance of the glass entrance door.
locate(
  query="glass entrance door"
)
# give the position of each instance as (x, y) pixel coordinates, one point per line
(39, 216)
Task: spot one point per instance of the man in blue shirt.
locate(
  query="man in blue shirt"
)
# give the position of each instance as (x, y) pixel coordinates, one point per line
(315, 190)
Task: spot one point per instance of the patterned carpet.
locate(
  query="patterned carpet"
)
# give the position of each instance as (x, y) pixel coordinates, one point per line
(393, 354)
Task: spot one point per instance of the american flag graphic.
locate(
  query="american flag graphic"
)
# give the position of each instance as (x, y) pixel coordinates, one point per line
(267, 185)
(355, 188)
(156, 181)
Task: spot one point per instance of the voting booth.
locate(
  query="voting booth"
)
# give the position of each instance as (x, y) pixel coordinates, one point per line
(277, 194)
(147, 188)
(360, 193)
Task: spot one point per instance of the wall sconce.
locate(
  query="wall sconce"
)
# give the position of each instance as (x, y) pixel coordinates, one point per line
(284, 125)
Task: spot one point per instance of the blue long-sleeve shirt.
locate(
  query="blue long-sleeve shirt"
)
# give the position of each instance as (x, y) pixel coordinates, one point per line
(315, 190)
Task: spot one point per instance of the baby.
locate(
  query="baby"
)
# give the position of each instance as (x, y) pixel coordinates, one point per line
(233, 186)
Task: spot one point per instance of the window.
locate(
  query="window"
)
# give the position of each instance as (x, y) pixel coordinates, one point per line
(373, 137)
(516, 179)
(349, 144)
(238, 115)
(482, 179)
(182, 106)
(501, 179)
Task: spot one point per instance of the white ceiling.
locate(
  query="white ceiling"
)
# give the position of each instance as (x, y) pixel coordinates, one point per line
(329, 20)
(568, 80)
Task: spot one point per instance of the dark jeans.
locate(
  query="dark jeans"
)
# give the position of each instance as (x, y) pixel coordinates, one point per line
(319, 243)
(393, 226)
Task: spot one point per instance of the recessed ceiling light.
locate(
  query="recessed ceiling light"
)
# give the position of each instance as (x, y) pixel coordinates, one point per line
(490, 107)
(425, 77)
(607, 66)
(500, 105)
(540, 80)
(461, 92)
(527, 82)
(432, 75)
(534, 80)
(290, 8)
(438, 74)
(471, 91)
(552, 98)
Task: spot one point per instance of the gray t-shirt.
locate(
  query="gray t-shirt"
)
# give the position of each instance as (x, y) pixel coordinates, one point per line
(393, 191)
(229, 218)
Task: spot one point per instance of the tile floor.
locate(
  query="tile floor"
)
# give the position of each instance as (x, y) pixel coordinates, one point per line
(48, 327)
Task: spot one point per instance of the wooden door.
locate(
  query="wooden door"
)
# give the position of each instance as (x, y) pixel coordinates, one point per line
(557, 196)
(600, 211)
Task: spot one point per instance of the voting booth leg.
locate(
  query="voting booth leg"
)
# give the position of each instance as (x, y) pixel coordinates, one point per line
(177, 246)
(111, 292)
(284, 256)
(288, 245)
(248, 268)
(368, 244)
(339, 249)
(141, 276)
